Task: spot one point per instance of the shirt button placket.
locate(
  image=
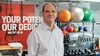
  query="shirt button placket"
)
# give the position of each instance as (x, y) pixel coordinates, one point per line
(53, 43)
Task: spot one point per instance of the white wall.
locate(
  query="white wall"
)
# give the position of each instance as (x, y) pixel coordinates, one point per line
(97, 19)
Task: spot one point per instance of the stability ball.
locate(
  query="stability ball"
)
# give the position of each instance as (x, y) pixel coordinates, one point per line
(64, 15)
(88, 14)
(77, 14)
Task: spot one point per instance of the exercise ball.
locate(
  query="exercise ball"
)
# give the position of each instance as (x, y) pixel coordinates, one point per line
(64, 15)
(77, 14)
(88, 14)
(70, 28)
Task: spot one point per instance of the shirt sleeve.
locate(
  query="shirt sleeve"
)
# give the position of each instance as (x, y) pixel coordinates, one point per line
(32, 43)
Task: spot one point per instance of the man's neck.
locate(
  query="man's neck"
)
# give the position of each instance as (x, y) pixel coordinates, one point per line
(51, 25)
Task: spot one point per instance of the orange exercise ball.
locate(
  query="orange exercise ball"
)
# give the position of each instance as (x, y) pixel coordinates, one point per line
(64, 15)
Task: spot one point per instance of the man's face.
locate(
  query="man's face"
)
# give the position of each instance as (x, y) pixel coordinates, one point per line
(50, 13)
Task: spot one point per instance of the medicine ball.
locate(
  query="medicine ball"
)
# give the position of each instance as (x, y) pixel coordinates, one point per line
(70, 28)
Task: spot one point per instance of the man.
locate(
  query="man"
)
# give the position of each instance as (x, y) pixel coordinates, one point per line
(47, 39)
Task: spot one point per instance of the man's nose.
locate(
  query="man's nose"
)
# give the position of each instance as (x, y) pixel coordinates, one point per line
(50, 13)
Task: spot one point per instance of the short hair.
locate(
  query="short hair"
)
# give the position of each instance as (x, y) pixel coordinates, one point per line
(46, 4)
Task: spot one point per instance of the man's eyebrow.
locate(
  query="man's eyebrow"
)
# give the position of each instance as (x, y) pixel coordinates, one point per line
(46, 10)
(54, 11)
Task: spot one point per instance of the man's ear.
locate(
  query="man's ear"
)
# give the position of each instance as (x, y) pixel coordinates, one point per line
(41, 14)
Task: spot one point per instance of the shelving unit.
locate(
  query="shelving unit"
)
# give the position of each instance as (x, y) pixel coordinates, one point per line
(80, 42)
(78, 46)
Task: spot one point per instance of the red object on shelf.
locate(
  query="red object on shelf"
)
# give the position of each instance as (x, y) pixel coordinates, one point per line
(70, 28)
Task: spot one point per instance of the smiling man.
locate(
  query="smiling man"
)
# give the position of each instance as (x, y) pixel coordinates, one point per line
(47, 39)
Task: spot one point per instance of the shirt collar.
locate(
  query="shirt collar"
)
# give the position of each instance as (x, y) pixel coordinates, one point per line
(46, 27)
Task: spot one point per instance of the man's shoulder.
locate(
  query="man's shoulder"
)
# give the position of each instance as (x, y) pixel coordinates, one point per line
(36, 29)
(58, 28)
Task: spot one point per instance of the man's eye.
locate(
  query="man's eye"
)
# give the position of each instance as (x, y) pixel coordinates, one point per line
(53, 11)
(47, 11)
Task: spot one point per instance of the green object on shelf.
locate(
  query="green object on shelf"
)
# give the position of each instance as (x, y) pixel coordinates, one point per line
(88, 14)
